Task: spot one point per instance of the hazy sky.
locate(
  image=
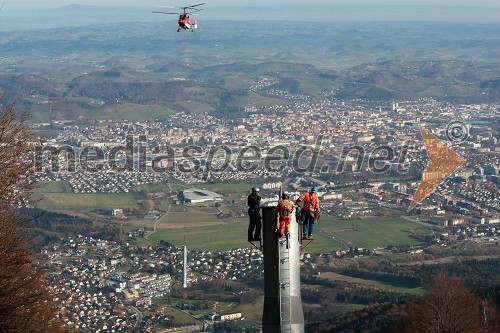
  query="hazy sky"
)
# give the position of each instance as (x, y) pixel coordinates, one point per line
(46, 3)
(26, 14)
(216, 3)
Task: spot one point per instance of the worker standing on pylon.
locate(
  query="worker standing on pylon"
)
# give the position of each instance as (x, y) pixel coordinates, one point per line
(285, 209)
(254, 215)
(310, 211)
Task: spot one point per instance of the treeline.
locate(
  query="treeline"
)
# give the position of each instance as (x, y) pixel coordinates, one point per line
(226, 106)
(134, 92)
(234, 327)
(333, 296)
(287, 84)
(214, 290)
(476, 273)
(374, 319)
(45, 227)
(398, 280)
(475, 281)
(447, 306)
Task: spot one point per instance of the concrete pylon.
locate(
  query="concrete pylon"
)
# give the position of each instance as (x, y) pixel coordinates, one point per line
(282, 303)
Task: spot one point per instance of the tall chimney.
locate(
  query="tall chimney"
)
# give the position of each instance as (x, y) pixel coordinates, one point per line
(184, 267)
(282, 302)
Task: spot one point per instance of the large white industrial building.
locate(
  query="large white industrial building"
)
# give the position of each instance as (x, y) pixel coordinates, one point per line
(198, 196)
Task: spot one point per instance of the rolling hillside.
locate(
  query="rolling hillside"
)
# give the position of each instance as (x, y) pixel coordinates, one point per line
(223, 87)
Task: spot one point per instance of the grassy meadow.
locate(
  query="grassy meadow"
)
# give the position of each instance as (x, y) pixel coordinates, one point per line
(205, 231)
(374, 232)
(86, 202)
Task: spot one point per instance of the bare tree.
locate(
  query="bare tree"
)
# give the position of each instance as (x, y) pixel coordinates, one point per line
(26, 304)
(15, 166)
(450, 307)
(447, 307)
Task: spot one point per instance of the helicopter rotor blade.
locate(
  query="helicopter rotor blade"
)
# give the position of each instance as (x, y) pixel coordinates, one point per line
(192, 12)
(200, 4)
(191, 9)
(165, 13)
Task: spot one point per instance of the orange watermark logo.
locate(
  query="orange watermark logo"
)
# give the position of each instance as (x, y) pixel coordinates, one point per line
(442, 160)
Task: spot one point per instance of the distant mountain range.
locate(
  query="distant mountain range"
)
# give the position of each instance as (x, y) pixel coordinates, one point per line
(45, 15)
(462, 82)
(98, 70)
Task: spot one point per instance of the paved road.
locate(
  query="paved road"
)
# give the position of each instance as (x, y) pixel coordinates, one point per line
(336, 238)
(155, 225)
(139, 315)
(415, 220)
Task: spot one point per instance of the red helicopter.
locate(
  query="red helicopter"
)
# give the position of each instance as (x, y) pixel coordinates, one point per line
(184, 17)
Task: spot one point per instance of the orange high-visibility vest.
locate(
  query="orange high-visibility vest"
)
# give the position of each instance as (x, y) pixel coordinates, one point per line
(311, 201)
(285, 208)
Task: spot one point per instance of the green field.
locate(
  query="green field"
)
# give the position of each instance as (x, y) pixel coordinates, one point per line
(371, 233)
(188, 219)
(195, 107)
(374, 232)
(204, 231)
(230, 188)
(332, 277)
(175, 208)
(179, 317)
(206, 238)
(255, 99)
(86, 202)
(157, 188)
(52, 187)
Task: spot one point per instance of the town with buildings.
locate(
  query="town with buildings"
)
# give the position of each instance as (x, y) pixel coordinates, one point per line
(364, 159)
(108, 286)
(99, 292)
(330, 141)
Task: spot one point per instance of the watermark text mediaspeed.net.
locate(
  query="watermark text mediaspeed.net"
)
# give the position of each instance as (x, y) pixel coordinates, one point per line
(137, 155)
(140, 155)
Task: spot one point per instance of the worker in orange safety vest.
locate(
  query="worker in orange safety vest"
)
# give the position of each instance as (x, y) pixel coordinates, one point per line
(310, 210)
(285, 209)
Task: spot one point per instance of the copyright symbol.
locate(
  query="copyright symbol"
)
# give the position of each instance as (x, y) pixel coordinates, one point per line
(457, 131)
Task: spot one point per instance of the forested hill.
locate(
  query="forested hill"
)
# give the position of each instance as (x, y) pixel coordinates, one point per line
(477, 281)
(46, 226)
(224, 88)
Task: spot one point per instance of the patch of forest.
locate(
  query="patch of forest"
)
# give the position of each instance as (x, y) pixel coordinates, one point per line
(478, 277)
(46, 227)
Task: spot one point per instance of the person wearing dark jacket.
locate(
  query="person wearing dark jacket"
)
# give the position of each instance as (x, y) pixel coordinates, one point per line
(254, 215)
